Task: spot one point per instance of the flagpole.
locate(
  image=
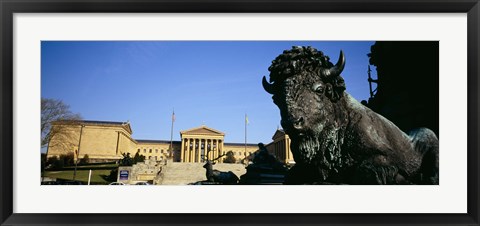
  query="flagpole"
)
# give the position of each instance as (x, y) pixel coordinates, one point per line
(78, 152)
(246, 122)
(171, 134)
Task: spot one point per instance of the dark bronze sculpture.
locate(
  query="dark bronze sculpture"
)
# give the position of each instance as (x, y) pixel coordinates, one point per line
(215, 176)
(337, 140)
(264, 170)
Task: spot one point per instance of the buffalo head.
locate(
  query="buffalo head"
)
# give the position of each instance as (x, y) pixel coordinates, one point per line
(307, 88)
(336, 139)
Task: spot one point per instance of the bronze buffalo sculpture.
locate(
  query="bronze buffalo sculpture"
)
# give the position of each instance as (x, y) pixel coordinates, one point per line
(334, 138)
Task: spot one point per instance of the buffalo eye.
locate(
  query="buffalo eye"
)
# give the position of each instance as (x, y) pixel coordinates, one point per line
(318, 88)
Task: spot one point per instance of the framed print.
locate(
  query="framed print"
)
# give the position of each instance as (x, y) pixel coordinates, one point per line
(158, 92)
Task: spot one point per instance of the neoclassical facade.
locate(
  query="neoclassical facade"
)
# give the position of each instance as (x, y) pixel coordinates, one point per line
(105, 141)
(280, 147)
(197, 142)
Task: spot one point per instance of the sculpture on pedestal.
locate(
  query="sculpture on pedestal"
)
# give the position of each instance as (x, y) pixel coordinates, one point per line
(265, 169)
(216, 176)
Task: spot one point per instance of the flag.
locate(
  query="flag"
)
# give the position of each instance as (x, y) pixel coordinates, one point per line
(246, 119)
(173, 116)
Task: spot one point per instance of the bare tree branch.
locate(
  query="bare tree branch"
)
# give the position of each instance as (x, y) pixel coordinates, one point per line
(56, 111)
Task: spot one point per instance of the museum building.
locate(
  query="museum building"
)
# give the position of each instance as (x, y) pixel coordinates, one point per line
(105, 141)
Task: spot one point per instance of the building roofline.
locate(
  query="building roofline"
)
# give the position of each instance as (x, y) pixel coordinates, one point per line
(279, 131)
(157, 141)
(202, 127)
(125, 125)
(176, 141)
(240, 144)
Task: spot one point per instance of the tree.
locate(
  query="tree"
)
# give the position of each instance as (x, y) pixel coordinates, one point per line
(55, 110)
(43, 158)
(68, 159)
(230, 158)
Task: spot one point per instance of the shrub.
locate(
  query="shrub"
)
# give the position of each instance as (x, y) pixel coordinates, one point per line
(59, 164)
(52, 160)
(54, 163)
(85, 159)
(112, 177)
(68, 159)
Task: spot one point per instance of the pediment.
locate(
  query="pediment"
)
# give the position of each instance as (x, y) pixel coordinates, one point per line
(203, 130)
(278, 134)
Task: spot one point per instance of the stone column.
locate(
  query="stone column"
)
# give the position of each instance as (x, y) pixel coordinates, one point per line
(288, 150)
(195, 152)
(211, 148)
(215, 150)
(206, 149)
(199, 147)
(181, 150)
(220, 148)
(188, 150)
(204, 142)
(287, 156)
(185, 148)
(199, 154)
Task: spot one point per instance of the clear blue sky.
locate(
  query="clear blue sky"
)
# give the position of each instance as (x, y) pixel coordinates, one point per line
(207, 82)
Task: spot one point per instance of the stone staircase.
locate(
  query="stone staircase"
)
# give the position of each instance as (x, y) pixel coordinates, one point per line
(176, 173)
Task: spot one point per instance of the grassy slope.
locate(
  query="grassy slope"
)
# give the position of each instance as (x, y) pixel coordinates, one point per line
(82, 173)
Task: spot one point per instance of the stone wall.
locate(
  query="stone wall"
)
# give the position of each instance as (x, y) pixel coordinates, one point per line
(99, 142)
(141, 172)
(239, 150)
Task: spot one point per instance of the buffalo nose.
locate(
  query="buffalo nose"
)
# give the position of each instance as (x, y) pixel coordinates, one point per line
(298, 124)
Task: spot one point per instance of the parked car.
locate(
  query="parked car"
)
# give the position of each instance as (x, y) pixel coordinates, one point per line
(142, 183)
(50, 183)
(116, 183)
(71, 182)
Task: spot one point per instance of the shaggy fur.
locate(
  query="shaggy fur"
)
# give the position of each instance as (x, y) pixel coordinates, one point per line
(335, 139)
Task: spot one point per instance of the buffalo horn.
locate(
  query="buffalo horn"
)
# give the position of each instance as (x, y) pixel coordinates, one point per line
(338, 68)
(267, 86)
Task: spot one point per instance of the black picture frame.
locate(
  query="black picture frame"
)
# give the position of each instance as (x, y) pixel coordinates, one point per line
(10, 7)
